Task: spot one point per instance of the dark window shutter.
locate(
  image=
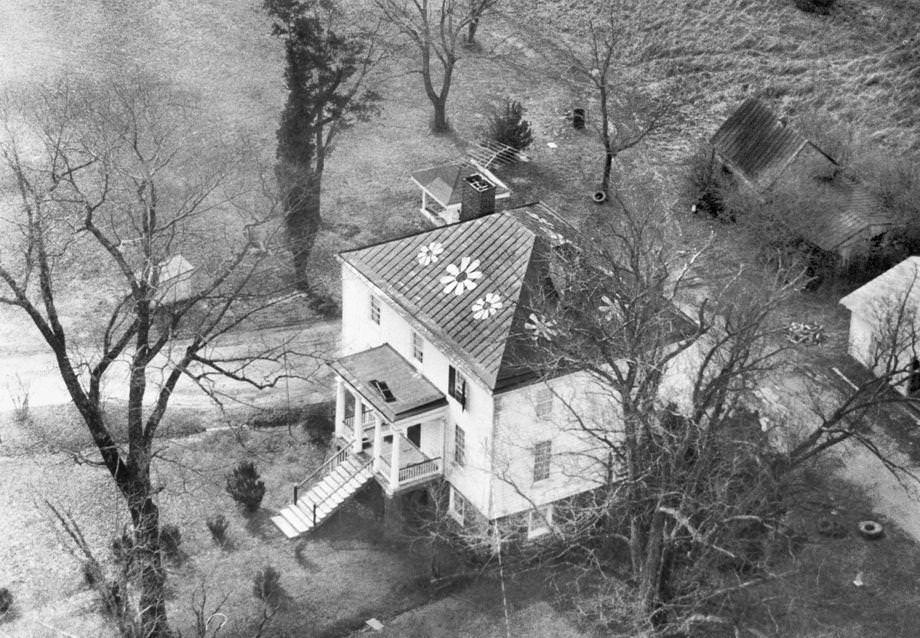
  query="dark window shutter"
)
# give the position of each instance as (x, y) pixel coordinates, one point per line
(451, 380)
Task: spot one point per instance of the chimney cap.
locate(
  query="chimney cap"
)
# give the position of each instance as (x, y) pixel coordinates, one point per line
(479, 182)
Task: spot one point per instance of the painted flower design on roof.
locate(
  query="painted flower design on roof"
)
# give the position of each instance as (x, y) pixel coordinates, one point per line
(485, 307)
(460, 279)
(541, 326)
(429, 253)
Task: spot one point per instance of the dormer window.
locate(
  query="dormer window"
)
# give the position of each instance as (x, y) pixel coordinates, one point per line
(456, 385)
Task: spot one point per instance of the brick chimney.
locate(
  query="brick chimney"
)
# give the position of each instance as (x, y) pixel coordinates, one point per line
(478, 197)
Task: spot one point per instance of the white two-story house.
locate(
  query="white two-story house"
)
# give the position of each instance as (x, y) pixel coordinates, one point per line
(433, 380)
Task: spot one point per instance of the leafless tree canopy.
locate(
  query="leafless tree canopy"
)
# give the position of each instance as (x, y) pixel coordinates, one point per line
(105, 186)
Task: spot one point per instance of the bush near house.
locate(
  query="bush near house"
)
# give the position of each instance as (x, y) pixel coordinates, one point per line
(266, 585)
(244, 485)
(218, 525)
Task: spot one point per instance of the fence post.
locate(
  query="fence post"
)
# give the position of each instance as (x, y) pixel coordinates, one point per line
(295, 493)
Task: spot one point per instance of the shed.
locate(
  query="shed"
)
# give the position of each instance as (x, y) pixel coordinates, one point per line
(442, 189)
(758, 147)
(845, 217)
(885, 320)
(174, 280)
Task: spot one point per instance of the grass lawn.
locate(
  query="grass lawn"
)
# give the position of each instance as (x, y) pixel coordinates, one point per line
(857, 66)
(344, 573)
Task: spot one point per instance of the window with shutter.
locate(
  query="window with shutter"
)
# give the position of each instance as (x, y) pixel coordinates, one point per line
(456, 385)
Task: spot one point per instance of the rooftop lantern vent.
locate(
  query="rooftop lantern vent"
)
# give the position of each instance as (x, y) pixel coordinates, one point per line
(384, 390)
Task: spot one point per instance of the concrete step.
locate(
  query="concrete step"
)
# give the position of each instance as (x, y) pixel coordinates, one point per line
(297, 520)
(305, 514)
(286, 528)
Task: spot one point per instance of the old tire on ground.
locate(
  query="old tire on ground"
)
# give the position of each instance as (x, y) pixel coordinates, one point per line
(870, 529)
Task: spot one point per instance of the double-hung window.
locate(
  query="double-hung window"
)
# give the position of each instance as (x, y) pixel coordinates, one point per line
(539, 521)
(456, 385)
(418, 347)
(375, 310)
(542, 452)
(459, 445)
(457, 505)
(544, 402)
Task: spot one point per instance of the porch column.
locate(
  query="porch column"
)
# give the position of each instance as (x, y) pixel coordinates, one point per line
(378, 441)
(394, 458)
(357, 427)
(339, 408)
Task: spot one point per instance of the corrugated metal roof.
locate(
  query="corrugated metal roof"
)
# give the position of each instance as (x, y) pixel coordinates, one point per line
(755, 143)
(890, 286)
(411, 391)
(845, 215)
(464, 282)
(445, 183)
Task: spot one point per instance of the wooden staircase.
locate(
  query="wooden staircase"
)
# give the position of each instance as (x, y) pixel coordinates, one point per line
(345, 474)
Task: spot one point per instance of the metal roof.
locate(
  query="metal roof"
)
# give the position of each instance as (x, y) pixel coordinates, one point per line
(466, 283)
(889, 287)
(410, 391)
(445, 183)
(844, 215)
(755, 143)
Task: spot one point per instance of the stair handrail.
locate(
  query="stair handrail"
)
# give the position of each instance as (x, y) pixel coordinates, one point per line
(319, 504)
(328, 466)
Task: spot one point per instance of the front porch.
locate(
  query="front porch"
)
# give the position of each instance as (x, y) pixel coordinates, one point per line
(386, 410)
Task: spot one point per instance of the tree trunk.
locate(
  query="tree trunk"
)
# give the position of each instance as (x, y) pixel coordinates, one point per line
(605, 180)
(605, 136)
(471, 31)
(650, 584)
(438, 101)
(145, 516)
(439, 124)
(302, 219)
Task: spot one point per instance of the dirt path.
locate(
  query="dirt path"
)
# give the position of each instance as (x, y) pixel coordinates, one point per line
(793, 399)
(34, 374)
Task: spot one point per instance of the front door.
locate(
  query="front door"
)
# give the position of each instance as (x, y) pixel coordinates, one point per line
(414, 434)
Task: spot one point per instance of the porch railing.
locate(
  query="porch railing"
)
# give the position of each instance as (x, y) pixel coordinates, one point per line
(419, 470)
(366, 419)
(329, 466)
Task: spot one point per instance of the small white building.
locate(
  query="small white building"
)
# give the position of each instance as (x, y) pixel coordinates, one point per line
(436, 381)
(174, 280)
(444, 187)
(885, 325)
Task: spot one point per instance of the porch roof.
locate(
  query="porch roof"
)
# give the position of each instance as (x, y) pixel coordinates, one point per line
(445, 183)
(372, 372)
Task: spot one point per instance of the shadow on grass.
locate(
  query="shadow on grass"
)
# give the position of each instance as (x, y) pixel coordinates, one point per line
(259, 524)
(305, 563)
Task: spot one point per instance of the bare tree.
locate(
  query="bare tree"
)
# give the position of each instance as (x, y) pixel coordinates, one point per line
(109, 186)
(693, 485)
(477, 9)
(435, 28)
